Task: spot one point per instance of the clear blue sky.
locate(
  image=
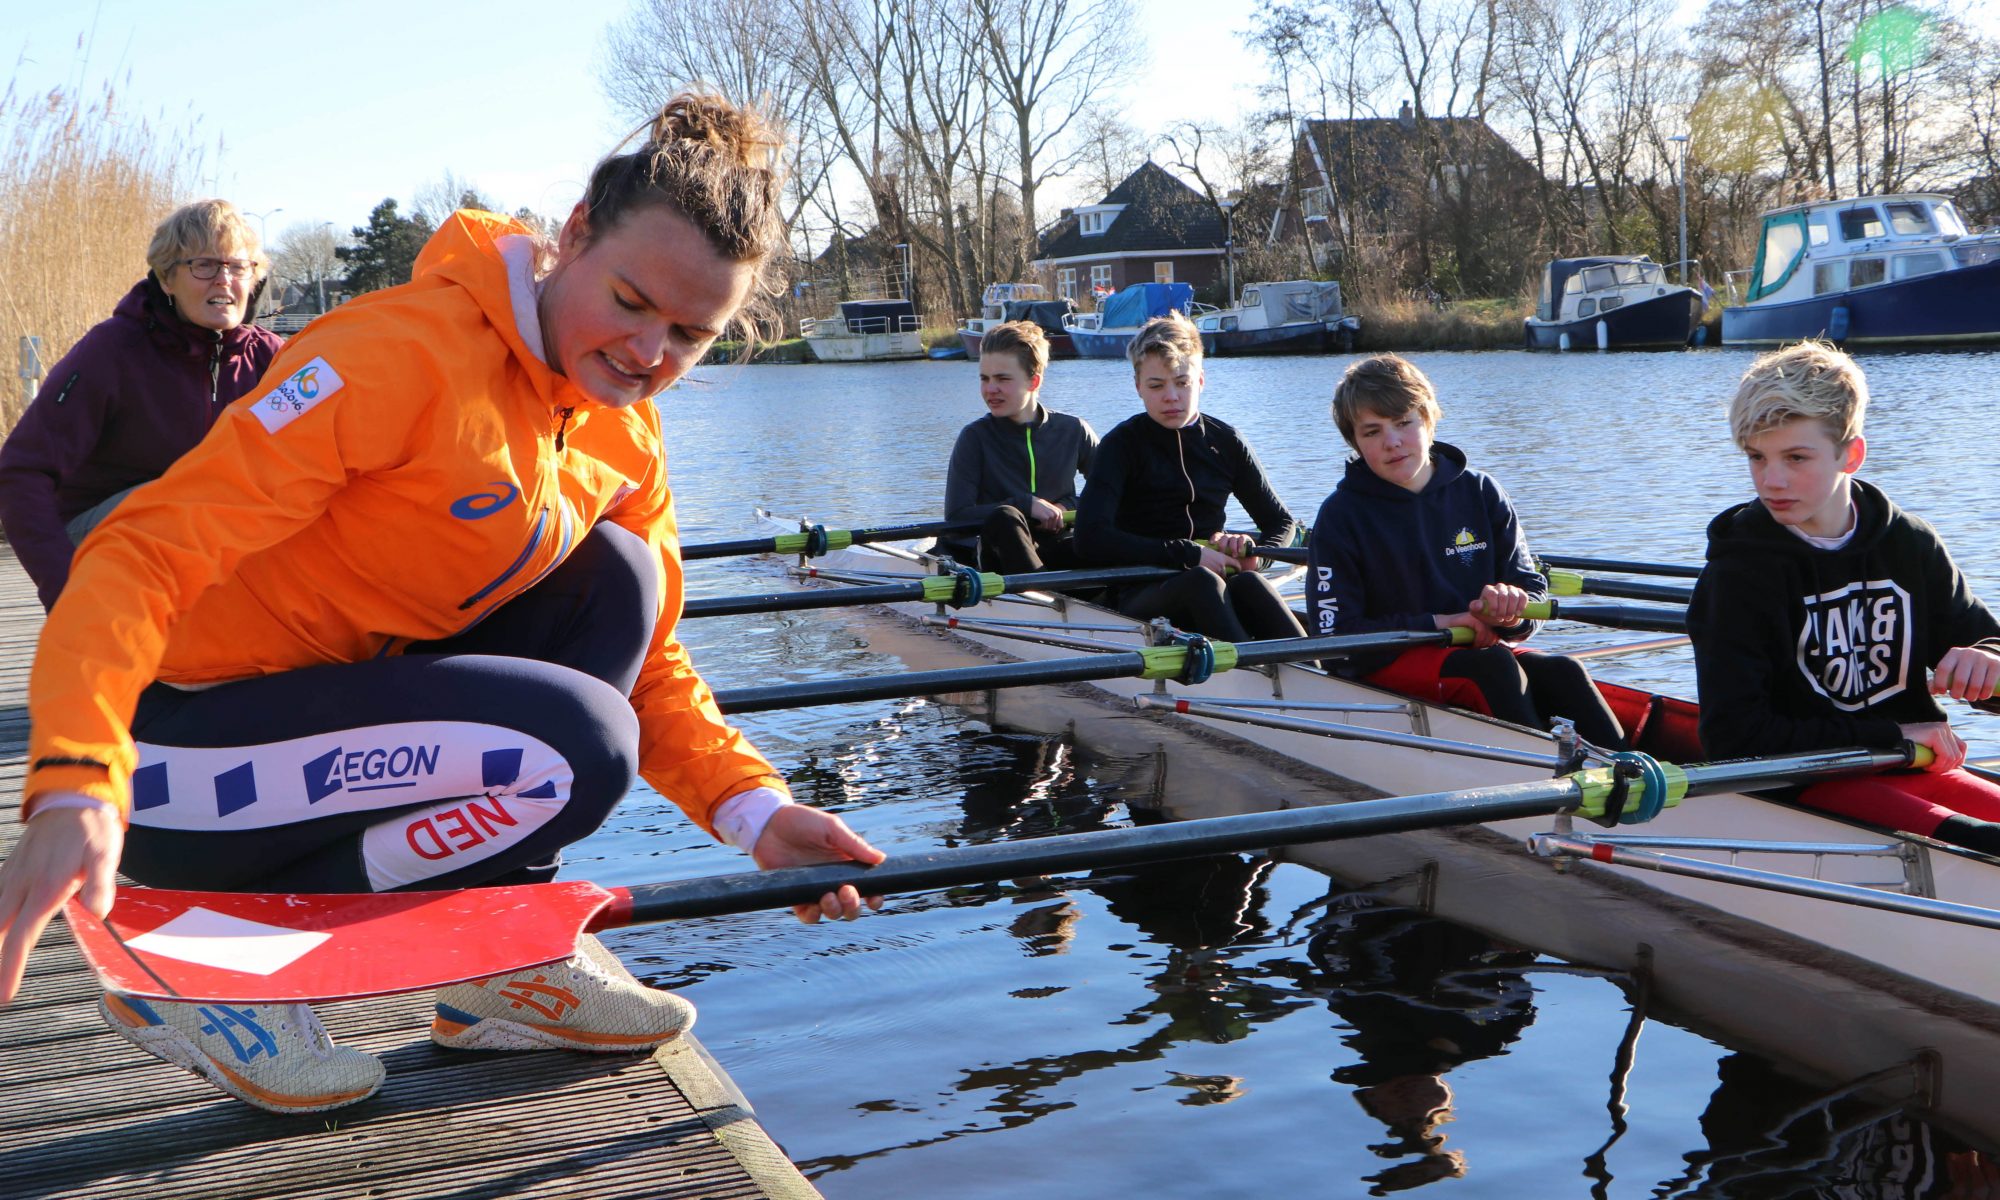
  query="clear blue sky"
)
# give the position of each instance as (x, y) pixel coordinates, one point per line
(322, 109)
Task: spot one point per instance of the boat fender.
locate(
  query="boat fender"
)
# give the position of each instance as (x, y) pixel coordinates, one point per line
(1603, 336)
(1836, 324)
(960, 586)
(1562, 341)
(1608, 796)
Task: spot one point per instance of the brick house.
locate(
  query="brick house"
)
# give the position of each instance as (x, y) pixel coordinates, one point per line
(1152, 228)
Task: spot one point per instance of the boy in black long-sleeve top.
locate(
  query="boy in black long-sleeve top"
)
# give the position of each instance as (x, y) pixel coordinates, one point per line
(1015, 468)
(1414, 539)
(1823, 602)
(1158, 489)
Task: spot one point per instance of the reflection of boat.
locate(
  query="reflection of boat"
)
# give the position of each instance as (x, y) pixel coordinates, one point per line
(1621, 302)
(1899, 268)
(1106, 332)
(1294, 316)
(1743, 910)
(1019, 302)
(865, 331)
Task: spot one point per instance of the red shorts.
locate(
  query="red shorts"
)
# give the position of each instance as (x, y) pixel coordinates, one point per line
(1415, 674)
(1913, 801)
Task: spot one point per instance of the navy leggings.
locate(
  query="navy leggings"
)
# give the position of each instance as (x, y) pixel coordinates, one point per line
(461, 762)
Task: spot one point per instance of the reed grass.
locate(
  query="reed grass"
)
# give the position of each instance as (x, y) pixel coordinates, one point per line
(1403, 324)
(83, 183)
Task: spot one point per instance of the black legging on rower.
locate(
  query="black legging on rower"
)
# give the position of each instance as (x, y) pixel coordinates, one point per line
(461, 762)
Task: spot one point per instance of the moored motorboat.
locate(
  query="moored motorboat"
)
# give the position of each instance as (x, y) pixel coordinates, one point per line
(1883, 270)
(1292, 316)
(1106, 332)
(1830, 899)
(1611, 302)
(1002, 302)
(865, 331)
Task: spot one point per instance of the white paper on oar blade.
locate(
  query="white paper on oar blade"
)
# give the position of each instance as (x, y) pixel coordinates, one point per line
(214, 939)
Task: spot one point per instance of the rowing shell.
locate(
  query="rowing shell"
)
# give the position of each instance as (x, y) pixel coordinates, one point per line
(1620, 887)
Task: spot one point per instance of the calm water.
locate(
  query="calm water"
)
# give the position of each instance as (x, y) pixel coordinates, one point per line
(1230, 1027)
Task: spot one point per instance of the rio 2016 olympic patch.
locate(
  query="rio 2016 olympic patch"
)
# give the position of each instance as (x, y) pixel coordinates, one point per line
(296, 395)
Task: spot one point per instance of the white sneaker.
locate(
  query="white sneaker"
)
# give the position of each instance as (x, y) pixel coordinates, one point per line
(589, 1002)
(274, 1056)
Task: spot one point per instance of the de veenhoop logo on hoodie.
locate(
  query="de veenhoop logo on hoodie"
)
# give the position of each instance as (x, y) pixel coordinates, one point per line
(1855, 645)
(296, 395)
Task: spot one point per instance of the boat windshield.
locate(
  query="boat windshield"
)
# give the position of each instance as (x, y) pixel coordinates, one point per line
(1783, 248)
(1911, 219)
(1861, 224)
(1949, 222)
(1630, 273)
(1651, 273)
(1596, 278)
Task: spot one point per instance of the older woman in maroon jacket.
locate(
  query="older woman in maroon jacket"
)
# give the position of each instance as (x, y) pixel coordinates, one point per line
(139, 390)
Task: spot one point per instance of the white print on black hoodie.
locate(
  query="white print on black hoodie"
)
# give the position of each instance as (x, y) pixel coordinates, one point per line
(1798, 648)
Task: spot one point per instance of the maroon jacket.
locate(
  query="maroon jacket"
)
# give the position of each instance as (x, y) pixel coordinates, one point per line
(136, 393)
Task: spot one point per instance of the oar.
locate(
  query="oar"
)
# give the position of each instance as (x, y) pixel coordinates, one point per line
(932, 589)
(1147, 662)
(1612, 616)
(1572, 583)
(1583, 562)
(802, 542)
(254, 949)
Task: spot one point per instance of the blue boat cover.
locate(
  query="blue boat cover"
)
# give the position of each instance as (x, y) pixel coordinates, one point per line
(1141, 302)
(1048, 314)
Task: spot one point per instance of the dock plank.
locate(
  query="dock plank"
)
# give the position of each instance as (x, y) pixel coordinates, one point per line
(85, 1116)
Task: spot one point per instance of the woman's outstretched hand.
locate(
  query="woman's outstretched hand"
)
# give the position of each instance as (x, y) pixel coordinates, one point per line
(798, 835)
(63, 852)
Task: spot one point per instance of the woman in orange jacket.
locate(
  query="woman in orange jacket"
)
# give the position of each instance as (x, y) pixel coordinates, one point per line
(405, 619)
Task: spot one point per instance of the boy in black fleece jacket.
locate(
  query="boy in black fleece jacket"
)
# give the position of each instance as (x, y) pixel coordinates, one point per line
(1015, 468)
(1414, 539)
(1822, 604)
(1158, 489)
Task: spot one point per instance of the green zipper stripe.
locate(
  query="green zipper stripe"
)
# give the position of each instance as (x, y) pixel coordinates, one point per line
(1031, 459)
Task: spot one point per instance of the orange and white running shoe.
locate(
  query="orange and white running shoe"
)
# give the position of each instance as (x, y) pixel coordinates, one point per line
(274, 1056)
(589, 1002)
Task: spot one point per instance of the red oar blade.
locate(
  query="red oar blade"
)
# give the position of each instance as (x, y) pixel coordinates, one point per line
(279, 948)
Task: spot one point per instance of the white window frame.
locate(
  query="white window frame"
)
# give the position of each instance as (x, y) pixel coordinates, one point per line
(1066, 283)
(1100, 277)
(1163, 272)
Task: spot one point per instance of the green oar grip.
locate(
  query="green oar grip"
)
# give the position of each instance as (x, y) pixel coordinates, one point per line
(1540, 610)
(943, 589)
(1170, 662)
(1921, 756)
(1460, 635)
(1595, 786)
(1565, 583)
(796, 543)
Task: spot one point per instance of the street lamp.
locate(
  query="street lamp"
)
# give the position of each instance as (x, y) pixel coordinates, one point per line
(1681, 172)
(264, 241)
(319, 273)
(1227, 204)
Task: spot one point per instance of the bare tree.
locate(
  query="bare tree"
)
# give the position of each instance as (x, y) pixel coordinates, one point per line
(1108, 149)
(306, 255)
(1047, 62)
(437, 200)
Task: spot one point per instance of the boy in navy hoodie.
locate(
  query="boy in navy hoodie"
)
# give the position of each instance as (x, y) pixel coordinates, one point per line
(1822, 604)
(1414, 539)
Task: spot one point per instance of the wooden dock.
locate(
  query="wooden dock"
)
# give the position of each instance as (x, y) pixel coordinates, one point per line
(85, 1116)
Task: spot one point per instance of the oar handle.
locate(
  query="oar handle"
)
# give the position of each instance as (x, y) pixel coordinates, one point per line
(1097, 850)
(1614, 616)
(1584, 562)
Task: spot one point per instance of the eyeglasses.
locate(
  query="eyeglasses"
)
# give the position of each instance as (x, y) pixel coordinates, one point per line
(208, 268)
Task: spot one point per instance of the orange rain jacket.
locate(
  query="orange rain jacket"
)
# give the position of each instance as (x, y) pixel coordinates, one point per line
(407, 466)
